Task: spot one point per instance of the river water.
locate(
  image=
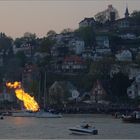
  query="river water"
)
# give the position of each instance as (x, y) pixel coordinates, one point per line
(57, 128)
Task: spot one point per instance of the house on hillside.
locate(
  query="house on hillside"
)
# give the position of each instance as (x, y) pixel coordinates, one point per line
(26, 48)
(88, 54)
(133, 71)
(126, 22)
(102, 41)
(102, 44)
(63, 37)
(72, 64)
(124, 55)
(98, 93)
(76, 45)
(134, 90)
(62, 91)
(87, 22)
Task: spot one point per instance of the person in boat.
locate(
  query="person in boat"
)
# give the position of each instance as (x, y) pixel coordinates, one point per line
(1, 117)
(86, 126)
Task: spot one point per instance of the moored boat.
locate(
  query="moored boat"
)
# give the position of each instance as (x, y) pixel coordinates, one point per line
(39, 114)
(23, 114)
(42, 114)
(133, 118)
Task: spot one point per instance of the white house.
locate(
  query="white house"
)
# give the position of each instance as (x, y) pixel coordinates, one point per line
(128, 36)
(59, 38)
(102, 41)
(134, 90)
(77, 45)
(131, 91)
(88, 54)
(26, 48)
(124, 55)
(134, 71)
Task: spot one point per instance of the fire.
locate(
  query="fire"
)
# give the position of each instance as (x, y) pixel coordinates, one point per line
(29, 102)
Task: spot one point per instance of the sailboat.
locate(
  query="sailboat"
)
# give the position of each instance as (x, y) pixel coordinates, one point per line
(42, 113)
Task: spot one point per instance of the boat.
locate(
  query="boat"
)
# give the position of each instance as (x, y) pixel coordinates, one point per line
(132, 118)
(1, 117)
(84, 130)
(24, 114)
(42, 114)
(39, 114)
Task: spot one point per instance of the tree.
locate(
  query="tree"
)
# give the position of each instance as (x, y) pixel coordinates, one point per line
(105, 15)
(27, 38)
(115, 42)
(29, 35)
(33, 88)
(119, 84)
(87, 34)
(67, 30)
(136, 16)
(46, 45)
(5, 42)
(56, 94)
(51, 33)
(12, 69)
(21, 57)
(101, 69)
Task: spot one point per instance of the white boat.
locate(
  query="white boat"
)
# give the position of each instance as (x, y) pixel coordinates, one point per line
(23, 114)
(42, 114)
(84, 130)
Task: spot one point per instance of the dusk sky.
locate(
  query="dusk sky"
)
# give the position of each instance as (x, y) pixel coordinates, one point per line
(18, 17)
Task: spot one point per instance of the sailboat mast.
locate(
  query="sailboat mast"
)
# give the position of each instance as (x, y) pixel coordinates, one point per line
(45, 90)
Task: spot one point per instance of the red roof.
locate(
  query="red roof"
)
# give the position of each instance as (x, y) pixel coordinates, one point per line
(76, 59)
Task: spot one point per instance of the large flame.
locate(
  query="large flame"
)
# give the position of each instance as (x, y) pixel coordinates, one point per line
(29, 102)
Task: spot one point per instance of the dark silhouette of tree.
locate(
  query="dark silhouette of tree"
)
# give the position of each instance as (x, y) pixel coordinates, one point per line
(67, 30)
(119, 84)
(46, 45)
(51, 33)
(101, 69)
(87, 34)
(136, 16)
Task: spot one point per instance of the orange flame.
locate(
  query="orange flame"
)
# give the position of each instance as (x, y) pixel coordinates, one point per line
(29, 102)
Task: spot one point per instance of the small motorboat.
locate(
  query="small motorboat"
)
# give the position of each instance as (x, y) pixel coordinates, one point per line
(133, 118)
(86, 129)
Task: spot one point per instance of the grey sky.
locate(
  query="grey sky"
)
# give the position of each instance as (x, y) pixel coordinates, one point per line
(17, 17)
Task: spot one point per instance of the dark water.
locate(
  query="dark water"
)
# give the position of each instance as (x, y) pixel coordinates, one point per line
(43, 128)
